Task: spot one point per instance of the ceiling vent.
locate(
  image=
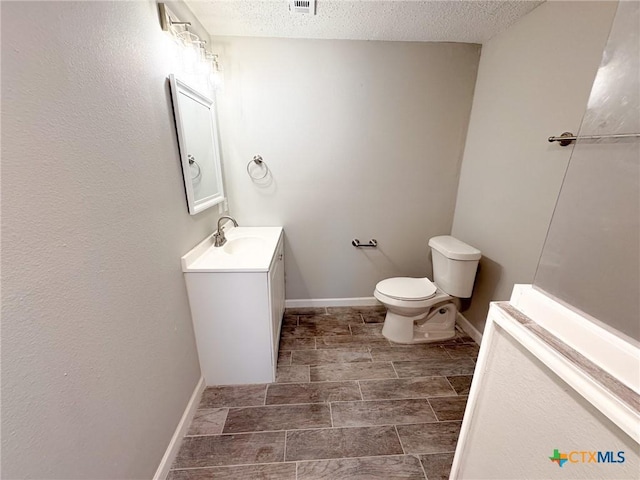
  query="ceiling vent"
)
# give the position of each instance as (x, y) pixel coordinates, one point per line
(302, 6)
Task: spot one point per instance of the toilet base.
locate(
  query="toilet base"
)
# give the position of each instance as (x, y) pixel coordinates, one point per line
(436, 325)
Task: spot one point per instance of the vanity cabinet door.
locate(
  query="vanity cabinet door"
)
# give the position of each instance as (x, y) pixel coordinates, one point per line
(276, 290)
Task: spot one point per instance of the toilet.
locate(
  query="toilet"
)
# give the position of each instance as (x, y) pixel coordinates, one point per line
(421, 311)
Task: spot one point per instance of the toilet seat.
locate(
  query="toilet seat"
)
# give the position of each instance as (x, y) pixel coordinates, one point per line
(407, 288)
(417, 310)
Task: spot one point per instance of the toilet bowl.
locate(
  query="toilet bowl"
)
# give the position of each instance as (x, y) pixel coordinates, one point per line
(410, 300)
(421, 311)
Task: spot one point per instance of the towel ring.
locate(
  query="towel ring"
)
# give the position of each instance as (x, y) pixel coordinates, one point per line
(192, 161)
(257, 159)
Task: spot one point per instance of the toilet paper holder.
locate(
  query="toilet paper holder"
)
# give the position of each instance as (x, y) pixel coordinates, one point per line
(373, 243)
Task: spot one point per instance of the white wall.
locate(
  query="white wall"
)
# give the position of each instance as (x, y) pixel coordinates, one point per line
(524, 411)
(98, 354)
(364, 140)
(533, 82)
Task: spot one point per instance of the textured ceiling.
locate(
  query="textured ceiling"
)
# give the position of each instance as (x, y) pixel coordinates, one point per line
(427, 21)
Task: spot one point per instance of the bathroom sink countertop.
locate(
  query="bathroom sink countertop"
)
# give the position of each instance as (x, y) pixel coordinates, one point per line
(248, 249)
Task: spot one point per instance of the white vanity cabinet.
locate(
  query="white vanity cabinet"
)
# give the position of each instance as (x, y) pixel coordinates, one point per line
(276, 301)
(237, 304)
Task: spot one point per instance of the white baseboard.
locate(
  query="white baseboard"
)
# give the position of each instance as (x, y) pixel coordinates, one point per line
(332, 302)
(469, 329)
(181, 430)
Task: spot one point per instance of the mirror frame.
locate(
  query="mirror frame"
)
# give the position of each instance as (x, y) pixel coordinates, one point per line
(179, 87)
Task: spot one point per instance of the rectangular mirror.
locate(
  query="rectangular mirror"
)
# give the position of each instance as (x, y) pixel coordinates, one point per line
(199, 146)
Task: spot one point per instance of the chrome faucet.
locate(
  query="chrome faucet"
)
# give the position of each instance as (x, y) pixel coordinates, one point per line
(218, 237)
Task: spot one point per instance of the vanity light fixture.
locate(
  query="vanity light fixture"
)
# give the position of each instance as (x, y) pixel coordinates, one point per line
(196, 56)
(167, 18)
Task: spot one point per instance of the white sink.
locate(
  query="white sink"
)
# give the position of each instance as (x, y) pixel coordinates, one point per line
(244, 246)
(248, 249)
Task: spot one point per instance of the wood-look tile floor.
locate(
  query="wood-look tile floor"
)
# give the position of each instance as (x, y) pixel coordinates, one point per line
(347, 404)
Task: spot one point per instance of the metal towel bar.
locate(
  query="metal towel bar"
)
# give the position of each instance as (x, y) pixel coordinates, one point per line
(373, 243)
(567, 137)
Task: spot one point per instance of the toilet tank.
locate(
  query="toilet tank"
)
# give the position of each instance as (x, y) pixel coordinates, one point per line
(454, 265)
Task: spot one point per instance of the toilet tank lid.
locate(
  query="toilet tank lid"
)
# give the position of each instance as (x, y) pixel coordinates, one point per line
(454, 249)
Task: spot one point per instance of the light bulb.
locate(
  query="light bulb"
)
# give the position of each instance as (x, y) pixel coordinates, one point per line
(216, 78)
(190, 51)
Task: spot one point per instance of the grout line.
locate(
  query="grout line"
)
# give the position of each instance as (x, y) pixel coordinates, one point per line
(230, 466)
(448, 353)
(297, 470)
(351, 379)
(391, 455)
(364, 361)
(395, 427)
(330, 414)
(296, 462)
(370, 400)
(394, 370)
(265, 396)
(226, 415)
(426, 397)
(434, 412)
(422, 466)
(284, 404)
(301, 382)
(360, 388)
(224, 421)
(309, 429)
(284, 453)
(341, 348)
(308, 373)
(327, 459)
(454, 388)
(363, 400)
(360, 456)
